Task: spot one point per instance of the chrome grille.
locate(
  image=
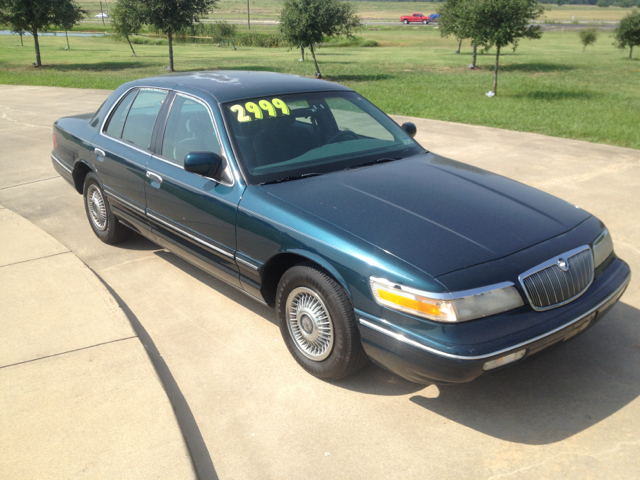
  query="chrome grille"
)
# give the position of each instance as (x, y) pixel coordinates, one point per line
(549, 286)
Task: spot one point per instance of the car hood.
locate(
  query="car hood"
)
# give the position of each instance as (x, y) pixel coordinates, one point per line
(434, 213)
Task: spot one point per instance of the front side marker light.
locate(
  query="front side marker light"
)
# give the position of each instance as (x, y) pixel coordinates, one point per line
(506, 360)
(447, 307)
(413, 303)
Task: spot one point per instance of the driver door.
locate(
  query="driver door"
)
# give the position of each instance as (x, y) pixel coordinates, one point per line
(192, 215)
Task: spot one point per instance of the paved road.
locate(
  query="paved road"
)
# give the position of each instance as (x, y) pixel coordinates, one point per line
(574, 412)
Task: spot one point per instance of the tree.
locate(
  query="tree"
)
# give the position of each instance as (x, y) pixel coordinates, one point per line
(456, 20)
(127, 18)
(501, 23)
(628, 33)
(453, 20)
(170, 16)
(34, 16)
(19, 31)
(227, 32)
(69, 14)
(305, 23)
(588, 36)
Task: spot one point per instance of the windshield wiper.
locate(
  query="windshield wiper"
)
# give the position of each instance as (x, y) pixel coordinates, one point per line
(291, 177)
(374, 162)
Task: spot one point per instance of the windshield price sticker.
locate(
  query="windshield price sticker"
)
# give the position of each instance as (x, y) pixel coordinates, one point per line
(270, 108)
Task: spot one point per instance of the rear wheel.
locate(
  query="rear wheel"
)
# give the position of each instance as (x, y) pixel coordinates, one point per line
(318, 324)
(103, 223)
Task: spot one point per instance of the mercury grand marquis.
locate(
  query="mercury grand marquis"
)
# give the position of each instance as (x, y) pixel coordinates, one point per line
(306, 197)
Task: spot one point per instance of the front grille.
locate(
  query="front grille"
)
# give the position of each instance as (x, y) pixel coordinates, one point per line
(549, 286)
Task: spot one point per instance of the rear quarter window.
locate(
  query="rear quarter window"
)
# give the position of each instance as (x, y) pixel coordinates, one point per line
(142, 116)
(116, 122)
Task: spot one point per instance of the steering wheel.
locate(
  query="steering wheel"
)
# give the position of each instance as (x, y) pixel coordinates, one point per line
(347, 133)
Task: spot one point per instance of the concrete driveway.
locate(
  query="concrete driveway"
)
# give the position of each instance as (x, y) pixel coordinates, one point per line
(574, 412)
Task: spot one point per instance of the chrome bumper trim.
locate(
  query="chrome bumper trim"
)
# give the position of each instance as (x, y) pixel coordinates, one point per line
(55, 158)
(413, 343)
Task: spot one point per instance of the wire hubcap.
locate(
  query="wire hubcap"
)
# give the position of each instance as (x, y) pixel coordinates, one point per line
(97, 208)
(309, 324)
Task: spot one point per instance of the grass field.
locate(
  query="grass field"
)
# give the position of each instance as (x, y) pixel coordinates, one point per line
(378, 11)
(546, 86)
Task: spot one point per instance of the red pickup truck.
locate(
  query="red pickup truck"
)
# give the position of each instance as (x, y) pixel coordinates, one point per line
(415, 17)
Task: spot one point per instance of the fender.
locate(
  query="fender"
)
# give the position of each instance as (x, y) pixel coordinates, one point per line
(320, 260)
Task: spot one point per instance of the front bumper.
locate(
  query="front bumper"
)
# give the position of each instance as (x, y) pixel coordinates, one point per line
(419, 360)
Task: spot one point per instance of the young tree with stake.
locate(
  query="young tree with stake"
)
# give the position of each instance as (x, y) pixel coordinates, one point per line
(19, 31)
(456, 20)
(588, 36)
(69, 14)
(305, 23)
(628, 33)
(127, 18)
(499, 23)
(34, 16)
(170, 16)
(452, 20)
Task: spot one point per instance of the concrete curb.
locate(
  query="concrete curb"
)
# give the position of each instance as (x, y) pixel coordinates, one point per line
(80, 396)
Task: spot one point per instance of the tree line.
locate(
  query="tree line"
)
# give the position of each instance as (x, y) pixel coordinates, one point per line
(166, 16)
(305, 24)
(500, 23)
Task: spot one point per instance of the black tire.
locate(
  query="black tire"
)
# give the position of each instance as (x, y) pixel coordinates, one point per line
(103, 223)
(345, 354)
(426, 22)
(406, 22)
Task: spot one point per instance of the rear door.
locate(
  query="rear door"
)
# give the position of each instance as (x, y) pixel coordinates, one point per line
(123, 150)
(192, 215)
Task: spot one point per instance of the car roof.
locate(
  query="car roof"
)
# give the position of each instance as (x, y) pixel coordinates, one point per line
(231, 85)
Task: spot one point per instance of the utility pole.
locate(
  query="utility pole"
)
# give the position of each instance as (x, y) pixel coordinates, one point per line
(101, 13)
(248, 16)
(107, 5)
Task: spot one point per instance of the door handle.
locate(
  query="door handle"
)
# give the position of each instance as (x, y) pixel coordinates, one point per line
(99, 154)
(156, 180)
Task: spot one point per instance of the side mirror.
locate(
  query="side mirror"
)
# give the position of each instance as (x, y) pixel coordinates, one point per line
(203, 163)
(410, 128)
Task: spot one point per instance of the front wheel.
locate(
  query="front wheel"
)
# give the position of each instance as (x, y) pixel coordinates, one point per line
(406, 22)
(318, 324)
(425, 22)
(103, 223)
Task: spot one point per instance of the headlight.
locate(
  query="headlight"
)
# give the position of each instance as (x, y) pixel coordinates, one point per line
(602, 248)
(447, 307)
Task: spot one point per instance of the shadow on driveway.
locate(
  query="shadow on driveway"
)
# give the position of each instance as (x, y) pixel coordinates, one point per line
(543, 400)
(556, 395)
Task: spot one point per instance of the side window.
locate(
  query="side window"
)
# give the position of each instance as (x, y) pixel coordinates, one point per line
(189, 129)
(114, 128)
(142, 117)
(346, 113)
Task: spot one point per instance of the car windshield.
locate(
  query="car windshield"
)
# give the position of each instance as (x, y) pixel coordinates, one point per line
(291, 136)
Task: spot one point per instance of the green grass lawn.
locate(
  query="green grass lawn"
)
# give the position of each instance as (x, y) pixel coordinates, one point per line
(546, 86)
